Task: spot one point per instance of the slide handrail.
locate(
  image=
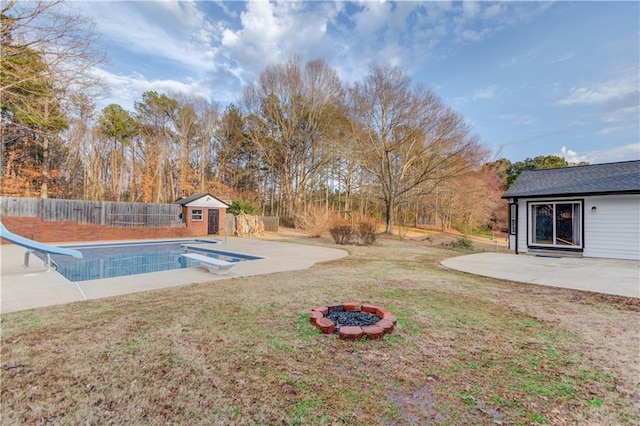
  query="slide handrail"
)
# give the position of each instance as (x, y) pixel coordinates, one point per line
(35, 245)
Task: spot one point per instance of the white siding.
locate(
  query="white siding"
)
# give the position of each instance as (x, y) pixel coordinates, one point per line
(613, 230)
(522, 226)
(207, 201)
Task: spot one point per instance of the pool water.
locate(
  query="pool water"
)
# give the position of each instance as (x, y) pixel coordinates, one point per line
(115, 260)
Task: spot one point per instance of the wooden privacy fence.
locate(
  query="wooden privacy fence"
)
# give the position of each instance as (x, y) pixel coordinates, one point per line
(109, 213)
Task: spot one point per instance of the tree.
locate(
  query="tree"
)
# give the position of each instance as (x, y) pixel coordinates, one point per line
(154, 116)
(195, 121)
(79, 140)
(237, 159)
(537, 163)
(119, 128)
(45, 57)
(292, 116)
(407, 139)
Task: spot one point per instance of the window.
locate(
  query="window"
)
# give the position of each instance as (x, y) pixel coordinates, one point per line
(556, 224)
(513, 219)
(196, 214)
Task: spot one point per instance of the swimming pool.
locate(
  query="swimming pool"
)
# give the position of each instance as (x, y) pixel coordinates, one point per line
(120, 259)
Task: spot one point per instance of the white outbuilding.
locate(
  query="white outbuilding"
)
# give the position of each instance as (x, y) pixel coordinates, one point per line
(589, 211)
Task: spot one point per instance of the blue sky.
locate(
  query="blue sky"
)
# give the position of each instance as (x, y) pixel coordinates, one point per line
(530, 78)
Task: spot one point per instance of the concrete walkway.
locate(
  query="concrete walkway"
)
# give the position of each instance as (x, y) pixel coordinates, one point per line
(33, 287)
(609, 276)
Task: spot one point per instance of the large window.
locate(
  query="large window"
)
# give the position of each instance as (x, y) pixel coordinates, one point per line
(556, 224)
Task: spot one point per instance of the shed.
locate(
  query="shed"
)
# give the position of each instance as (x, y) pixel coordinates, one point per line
(590, 211)
(204, 212)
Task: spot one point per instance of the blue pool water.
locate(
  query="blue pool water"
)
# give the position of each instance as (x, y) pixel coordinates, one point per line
(120, 259)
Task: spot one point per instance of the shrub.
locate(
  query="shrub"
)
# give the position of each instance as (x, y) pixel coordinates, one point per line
(341, 233)
(465, 243)
(367, 233)
(315, 221)
(242, 206)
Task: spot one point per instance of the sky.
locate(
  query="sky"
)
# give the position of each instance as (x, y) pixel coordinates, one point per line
(530, 78)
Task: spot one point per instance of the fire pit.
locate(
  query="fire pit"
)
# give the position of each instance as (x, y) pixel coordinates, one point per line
(352, 320)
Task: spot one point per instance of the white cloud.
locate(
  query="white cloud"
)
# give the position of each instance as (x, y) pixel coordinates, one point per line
(126, 89)
(626, 152)
(175, 31)
(372, 18)
(485, 93)
(601, 93)
(562, 58)
(470, 9)
(520, 120)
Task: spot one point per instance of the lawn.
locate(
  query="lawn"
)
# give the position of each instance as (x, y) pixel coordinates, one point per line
(467, 350)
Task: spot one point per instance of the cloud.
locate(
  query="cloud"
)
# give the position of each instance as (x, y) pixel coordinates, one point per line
(626, 152)
(521, 120)
(485, 93)
(126, 89)
(598, 94)
(176, 31)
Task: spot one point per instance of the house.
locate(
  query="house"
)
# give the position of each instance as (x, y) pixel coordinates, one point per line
(589, 211)
(204, 212)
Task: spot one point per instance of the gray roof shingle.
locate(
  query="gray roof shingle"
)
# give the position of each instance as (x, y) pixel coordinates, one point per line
(596, 179)
(186, 200)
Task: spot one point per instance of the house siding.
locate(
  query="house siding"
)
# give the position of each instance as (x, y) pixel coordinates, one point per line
(613, 230)
(522, 226)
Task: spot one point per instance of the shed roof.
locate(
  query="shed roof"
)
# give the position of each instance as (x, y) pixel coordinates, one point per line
(203, 199)
(595, 179)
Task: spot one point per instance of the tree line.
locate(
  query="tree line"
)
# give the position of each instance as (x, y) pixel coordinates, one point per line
(297, 138)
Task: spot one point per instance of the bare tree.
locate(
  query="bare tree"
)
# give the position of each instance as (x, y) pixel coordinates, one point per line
(46, 56)
(194, 124)
(408, 140)
(117, 128)
(154, 116)
(291, 117)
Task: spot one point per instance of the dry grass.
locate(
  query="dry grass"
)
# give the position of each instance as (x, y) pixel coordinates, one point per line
(467, 350)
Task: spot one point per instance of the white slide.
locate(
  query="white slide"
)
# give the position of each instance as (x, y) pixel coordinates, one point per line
(36, 246)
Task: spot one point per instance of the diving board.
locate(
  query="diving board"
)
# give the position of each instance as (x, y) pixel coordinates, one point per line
(32, 246)
(215, 266)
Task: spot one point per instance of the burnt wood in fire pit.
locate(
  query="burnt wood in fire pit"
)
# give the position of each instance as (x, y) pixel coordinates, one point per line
(355, 319)
(352, 320)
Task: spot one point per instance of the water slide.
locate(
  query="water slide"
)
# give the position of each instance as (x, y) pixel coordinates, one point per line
(31, 246)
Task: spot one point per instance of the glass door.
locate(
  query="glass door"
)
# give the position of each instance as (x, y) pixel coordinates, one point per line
(556, 224)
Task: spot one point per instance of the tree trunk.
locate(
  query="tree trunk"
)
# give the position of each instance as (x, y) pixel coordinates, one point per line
(389, 206)
(44, 188)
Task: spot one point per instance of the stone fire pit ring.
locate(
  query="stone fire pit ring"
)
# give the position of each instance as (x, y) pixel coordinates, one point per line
(384, 324)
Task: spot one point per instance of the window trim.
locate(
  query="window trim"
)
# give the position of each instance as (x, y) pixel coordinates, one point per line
(513, 219)
(554, 246)
(195, 213)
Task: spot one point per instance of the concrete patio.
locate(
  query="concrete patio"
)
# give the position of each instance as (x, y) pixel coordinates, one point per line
(609, 276)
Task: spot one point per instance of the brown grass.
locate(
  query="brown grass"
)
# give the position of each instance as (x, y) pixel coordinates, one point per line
(241, 351)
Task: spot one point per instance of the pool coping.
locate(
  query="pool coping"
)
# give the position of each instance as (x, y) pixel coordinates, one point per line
(34, 286)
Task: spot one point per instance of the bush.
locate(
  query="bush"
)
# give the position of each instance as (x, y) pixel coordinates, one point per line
(341, 233)
(242, 206)
(367, 233)
(315, 221)
(465, 243)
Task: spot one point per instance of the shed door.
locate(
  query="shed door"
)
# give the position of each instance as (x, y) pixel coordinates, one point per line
(213, 225)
